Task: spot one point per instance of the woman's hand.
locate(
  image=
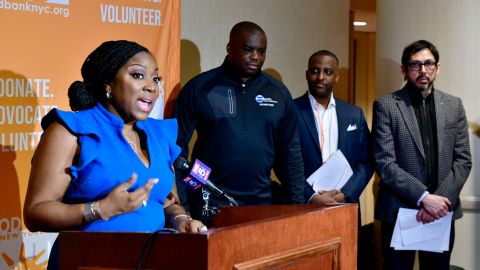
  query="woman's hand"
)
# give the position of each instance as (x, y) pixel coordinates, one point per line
(120, 201)
(184, 223)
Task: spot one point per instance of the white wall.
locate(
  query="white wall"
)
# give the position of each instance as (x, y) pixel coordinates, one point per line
(295, 29)
(453, 27)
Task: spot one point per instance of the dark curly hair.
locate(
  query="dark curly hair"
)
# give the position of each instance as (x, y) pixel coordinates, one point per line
(417, 46)
(99, 69)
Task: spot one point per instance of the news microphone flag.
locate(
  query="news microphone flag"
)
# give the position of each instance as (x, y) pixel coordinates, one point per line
(198, 175)
(191, 182)
(200, 171)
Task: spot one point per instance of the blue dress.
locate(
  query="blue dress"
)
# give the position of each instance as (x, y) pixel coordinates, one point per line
(107, 160)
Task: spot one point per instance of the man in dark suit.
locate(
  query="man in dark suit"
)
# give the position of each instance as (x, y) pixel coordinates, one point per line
(327, 124)
(422, 154)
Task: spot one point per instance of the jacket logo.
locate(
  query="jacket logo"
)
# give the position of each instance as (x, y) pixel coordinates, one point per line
(263, 101)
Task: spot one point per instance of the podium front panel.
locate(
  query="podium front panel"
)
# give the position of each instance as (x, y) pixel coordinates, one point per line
(251, 237)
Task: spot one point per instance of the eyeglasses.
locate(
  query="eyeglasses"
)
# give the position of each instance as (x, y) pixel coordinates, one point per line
(416, 66)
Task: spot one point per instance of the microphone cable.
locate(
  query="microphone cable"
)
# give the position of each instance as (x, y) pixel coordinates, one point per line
(148, 242)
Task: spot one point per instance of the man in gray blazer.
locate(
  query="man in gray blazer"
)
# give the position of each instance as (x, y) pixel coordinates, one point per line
(422, 154)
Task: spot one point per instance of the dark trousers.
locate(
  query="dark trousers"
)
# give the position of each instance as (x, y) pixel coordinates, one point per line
(54, 259)
(405, 259)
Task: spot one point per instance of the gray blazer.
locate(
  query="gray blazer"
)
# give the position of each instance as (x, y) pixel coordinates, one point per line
(399, 156)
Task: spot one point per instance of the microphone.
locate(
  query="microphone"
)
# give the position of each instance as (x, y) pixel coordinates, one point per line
(198, 176)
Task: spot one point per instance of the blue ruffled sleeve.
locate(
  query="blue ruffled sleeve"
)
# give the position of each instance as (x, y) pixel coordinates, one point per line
(78, 124)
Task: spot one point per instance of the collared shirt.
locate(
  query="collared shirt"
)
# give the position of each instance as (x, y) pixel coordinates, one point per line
(326, 121)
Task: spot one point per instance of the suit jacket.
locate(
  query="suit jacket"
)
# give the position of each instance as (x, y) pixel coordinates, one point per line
(399, 155)
(353, 141)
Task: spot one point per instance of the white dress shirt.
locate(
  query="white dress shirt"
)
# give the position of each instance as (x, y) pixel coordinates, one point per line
(326, 121)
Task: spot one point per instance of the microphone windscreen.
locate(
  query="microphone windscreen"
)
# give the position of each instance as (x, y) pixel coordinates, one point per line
(181, 164)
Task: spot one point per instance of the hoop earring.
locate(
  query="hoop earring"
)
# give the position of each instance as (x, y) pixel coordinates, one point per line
(109, 95)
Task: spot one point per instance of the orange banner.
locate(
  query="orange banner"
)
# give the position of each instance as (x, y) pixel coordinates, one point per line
(43, 44)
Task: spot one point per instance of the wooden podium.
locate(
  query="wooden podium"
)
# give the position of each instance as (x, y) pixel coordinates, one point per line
(249, 237)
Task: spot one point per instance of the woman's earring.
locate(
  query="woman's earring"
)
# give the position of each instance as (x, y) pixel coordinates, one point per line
(109, 95)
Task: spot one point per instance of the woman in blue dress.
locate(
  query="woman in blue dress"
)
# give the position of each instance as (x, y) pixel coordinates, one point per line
(107, 166)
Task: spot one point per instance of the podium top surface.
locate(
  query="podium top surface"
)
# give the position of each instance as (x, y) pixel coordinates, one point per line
(238, 216)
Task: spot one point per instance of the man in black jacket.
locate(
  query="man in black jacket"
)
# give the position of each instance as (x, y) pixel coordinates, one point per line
(246, 125)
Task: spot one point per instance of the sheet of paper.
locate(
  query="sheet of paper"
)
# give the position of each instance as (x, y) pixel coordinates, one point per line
(409, 234)
(333, 174)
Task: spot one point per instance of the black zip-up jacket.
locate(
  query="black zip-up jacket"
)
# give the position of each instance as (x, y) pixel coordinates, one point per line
(244, 130)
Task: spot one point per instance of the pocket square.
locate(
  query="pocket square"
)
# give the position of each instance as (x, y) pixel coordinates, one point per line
(352, 127)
